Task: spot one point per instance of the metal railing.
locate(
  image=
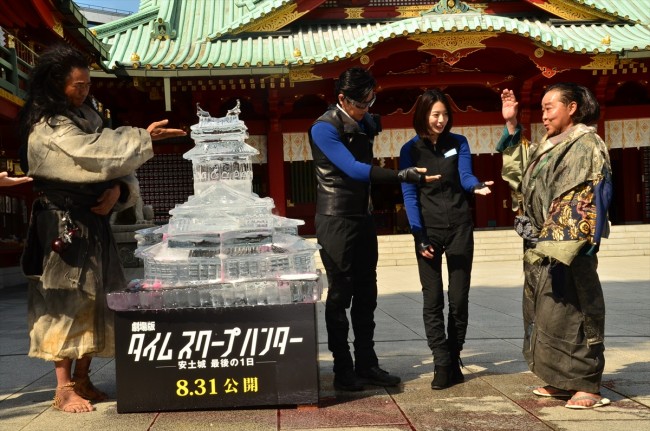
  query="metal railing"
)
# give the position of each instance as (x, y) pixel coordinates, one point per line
(16, 63)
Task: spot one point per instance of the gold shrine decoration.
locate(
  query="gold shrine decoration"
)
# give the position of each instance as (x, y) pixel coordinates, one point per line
(411, 11)
(274, 20)
(450, 42)
(57, 27)
(354, 12)
(4, 94)
(302, 74)
(453, 46)
(569, 10)
(601, 62)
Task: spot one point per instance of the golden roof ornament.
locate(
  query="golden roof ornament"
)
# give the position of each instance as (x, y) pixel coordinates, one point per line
(607, 40)
(135, 57)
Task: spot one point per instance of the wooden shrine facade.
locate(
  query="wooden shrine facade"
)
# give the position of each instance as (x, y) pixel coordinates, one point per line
(281, 59)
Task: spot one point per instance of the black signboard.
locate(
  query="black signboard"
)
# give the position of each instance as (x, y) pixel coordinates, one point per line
(205, 358)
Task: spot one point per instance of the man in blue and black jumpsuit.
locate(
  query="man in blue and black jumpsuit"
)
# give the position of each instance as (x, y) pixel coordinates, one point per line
(341, 142)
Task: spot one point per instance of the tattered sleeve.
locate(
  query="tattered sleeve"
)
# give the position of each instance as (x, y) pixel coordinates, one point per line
(61, 151)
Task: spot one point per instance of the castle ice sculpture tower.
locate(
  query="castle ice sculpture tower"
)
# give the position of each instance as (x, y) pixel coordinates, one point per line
(224, 246)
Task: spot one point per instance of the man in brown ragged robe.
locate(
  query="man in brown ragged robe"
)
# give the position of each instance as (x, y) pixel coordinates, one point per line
(73, 160)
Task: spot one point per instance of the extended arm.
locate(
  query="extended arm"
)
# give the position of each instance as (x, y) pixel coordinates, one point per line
(327, 139)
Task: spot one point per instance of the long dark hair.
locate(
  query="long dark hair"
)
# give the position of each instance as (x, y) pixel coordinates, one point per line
(46, 90)
(423, 109)
(588, 109)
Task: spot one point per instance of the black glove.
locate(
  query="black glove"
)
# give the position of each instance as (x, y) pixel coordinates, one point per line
(410, 175)
(423, 246)
(422, 242)
(479, 186)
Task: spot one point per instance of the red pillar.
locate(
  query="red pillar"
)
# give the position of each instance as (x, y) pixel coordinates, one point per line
(275, 155)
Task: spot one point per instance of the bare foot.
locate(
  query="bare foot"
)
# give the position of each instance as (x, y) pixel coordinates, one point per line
(85, 389)
(66, 400)
(551, 391)
(586, 400)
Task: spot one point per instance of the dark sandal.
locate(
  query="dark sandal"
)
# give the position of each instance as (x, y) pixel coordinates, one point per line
(70, 407)
(85, 389)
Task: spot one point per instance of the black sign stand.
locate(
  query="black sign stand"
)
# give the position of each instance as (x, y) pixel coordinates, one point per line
(206, 358)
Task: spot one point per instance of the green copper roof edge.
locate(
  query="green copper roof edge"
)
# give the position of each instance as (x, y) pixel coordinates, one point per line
(405, 28)
(184, 73)
(247, 18)
(140, 17)
(354, 39)
(603, 9)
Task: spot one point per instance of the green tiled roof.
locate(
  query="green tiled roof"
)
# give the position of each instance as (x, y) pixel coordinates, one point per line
(193, 25)
(635, 10)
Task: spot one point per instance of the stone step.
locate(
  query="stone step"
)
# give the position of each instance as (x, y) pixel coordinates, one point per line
(494, 245)
(499, 245)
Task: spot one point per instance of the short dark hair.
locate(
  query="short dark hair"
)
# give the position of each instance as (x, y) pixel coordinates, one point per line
(588, 110)
(356, 83)
(423, 109)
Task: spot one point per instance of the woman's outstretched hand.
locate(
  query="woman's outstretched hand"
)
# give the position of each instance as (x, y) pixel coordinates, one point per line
(483, 189)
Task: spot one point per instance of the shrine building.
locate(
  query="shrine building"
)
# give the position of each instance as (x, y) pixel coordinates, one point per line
(280, 59)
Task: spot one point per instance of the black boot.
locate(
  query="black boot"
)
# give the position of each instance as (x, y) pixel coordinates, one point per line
(456, 373)
(347, 380)
(441, 377)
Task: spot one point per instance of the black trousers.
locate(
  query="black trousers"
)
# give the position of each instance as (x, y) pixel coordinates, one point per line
(349, 255)
(457, 243)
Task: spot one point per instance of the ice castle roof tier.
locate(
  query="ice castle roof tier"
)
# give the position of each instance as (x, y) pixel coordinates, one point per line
(221, 207)
(220, 153)
(228, 258)
(224, 127)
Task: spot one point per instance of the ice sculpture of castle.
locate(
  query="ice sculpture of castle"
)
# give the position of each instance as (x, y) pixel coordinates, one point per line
(224, 246)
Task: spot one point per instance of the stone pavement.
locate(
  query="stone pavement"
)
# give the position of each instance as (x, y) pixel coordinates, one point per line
(496, 395)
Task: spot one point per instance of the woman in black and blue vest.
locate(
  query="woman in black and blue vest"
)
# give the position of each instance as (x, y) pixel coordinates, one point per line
(441, 222)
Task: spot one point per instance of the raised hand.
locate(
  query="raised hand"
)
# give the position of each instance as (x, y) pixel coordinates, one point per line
(509, 109)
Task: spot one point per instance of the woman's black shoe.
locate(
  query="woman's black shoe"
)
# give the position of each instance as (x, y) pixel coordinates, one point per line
(441, 377)
(456, 372)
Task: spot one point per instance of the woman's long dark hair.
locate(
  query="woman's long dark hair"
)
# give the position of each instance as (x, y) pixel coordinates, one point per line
(423, 110)
(46, 90)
